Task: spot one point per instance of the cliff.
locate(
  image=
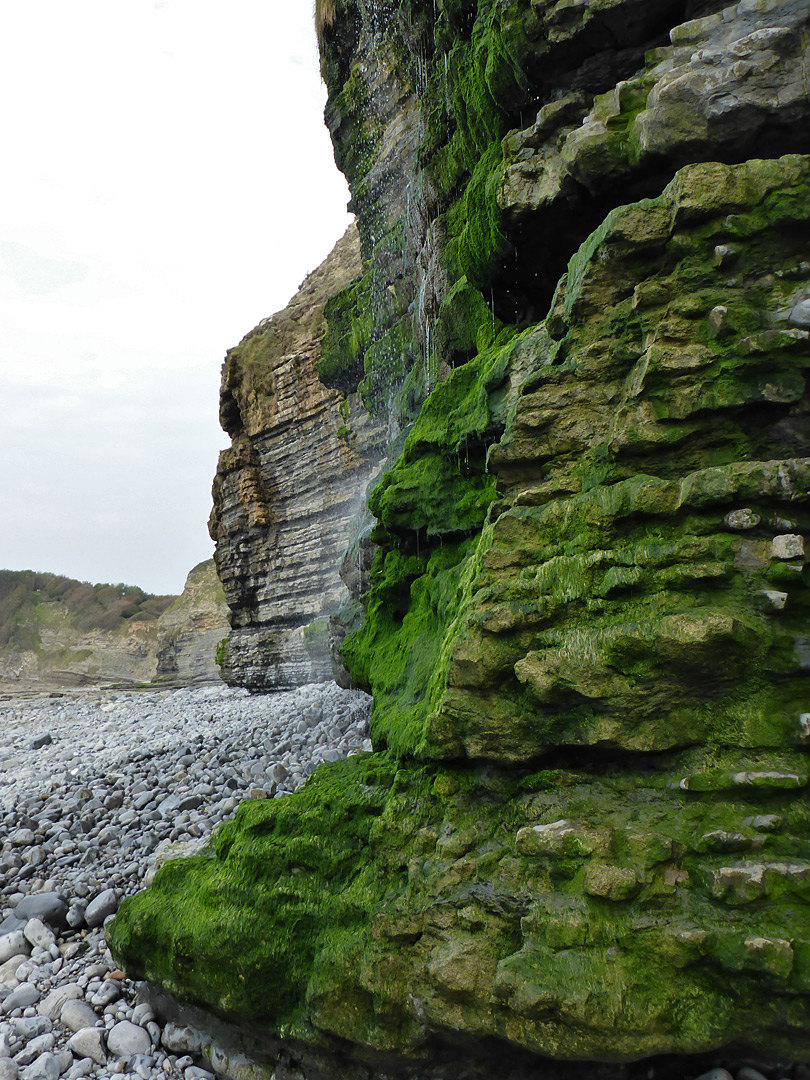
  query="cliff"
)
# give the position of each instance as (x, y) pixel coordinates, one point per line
(191, 630)
(585, 301)
(289, 493)
(56, 632)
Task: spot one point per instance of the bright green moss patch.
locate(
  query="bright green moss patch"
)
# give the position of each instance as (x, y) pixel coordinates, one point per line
(435, 495)
(239, 930)
(389, 904)
(343, 347)
(411, 603)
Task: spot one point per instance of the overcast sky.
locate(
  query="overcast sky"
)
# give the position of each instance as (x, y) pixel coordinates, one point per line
(167, 182)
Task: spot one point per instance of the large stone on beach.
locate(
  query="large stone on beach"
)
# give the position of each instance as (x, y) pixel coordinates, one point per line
(76, 1014)
(89, 1043)
(125, 1040)
(106, 903)
(53, 1003)
(13, 944)
(24, 995)
(39, 934)
(49, 907)
(8, 970)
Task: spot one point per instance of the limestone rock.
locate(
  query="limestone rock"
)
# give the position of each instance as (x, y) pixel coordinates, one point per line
(289, 492)
(582, 832)
(89, 1042)
(61, 633)
(125, 1040)
(190, 630)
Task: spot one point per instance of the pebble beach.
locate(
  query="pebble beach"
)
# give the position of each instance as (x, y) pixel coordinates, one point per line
(96, 791)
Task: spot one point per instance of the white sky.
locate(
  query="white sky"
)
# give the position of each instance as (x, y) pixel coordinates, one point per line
(167, 181)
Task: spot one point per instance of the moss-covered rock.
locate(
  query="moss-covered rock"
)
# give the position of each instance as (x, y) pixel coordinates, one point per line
(583, 832)
(576, 911)
(647, 891)
(605, 596)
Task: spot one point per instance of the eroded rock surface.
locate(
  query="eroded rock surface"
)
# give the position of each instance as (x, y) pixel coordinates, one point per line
(290, 492)
(583, 830)
(191, 630)
(57, 633)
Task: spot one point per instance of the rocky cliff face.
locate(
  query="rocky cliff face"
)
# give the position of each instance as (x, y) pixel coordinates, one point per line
(583, 831)
(289, 495)
(192, 629)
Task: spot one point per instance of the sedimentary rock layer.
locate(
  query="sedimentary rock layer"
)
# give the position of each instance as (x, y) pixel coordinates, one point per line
(290, 492)
(190, 631)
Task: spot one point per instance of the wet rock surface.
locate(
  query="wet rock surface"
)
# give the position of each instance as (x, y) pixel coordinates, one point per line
(124, 781)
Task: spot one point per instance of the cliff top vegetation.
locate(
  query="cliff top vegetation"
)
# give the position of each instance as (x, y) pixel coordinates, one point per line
(25, 596)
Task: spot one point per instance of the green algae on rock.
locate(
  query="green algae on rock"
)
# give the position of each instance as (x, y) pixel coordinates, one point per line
(570, 911)
(634, 897)
(606, 600)
(583, 831)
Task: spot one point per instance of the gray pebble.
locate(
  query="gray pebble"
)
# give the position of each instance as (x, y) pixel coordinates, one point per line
(748, 1072)
(800, 315)
(106, 903)
(39, 934)
(13, 944)
(82, 1067)
(76, 1014)
(35, 1047)
(21, 838)
(89, 1043)
(49, 907)
(125, 1040)
(53, 1004)
(26, 994)
(28, 1027)
(48, 1066)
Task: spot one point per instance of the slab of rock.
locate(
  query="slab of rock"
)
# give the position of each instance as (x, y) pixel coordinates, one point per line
(89, 1043)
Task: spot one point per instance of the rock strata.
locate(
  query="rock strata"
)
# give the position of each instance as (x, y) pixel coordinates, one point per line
(289, 494)
(190, 630)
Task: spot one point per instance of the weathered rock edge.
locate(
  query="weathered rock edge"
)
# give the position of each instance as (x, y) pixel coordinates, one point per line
(289, 494)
